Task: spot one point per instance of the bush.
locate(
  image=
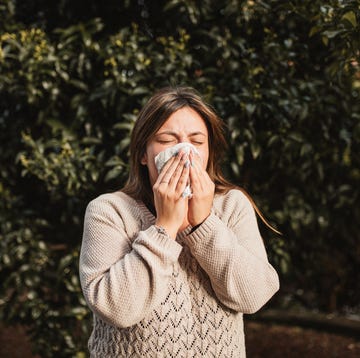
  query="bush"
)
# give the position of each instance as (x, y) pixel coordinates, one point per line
(283, 75)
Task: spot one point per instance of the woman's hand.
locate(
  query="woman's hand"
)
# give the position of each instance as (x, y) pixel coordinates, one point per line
(170, 206)
(203, 190)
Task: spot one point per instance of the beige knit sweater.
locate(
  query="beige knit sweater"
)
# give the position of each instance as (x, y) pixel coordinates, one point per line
(153, 296)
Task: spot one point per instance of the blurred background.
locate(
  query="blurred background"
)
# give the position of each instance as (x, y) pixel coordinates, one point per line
(285, 78)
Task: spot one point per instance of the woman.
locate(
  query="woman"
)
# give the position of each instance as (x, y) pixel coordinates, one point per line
(167, 275)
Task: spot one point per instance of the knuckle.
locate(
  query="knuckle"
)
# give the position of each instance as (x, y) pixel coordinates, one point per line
(195, 181)
(163, 192)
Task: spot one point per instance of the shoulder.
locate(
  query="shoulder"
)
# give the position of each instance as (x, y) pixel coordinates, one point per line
(234, 198)
(113, 204)
(233, 202)
(114, 211)
(113, 199)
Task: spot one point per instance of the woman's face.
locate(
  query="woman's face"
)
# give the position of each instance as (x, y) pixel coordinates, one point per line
(184, 125)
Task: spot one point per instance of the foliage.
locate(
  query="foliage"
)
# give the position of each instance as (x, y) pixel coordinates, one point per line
(285, 77)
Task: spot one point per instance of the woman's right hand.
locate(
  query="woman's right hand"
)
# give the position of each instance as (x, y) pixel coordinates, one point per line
(170, 206)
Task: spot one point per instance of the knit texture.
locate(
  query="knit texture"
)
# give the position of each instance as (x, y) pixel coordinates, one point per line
(153, 296)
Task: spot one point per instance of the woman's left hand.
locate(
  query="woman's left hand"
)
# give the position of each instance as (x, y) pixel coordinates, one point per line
(203, 190)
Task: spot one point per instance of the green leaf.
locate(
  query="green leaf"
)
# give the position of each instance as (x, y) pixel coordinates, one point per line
(350, 16)
(331, 34)
(314, 30)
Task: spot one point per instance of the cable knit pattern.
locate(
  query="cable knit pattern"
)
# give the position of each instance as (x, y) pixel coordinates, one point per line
(156, 297)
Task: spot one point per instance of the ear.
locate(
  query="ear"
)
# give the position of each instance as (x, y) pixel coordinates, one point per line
(144, 160)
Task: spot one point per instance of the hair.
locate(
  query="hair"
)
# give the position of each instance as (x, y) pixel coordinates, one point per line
(153, 115)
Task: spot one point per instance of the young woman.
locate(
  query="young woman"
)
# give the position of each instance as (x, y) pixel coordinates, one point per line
(167, 275)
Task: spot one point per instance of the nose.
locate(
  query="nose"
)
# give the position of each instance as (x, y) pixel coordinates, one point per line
(184, 140)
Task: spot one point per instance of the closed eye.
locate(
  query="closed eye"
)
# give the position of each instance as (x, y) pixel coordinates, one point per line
(165, 141)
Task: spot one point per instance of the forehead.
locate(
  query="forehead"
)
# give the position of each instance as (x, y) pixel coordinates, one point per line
(185, 120)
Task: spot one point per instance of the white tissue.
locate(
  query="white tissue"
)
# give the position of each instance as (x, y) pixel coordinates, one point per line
(164, 156)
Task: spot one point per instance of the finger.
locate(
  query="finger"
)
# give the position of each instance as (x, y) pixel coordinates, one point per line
(184, 178)
(195, 159)
(184, 162)
(195, 181)
(169, 168)
(196, 165)
(196, 172)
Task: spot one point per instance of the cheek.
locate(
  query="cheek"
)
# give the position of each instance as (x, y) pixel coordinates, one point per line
(205, 162)
(150, 154)
(153, 173)
(150, 163)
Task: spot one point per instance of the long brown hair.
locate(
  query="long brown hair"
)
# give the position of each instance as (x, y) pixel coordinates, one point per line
(153, 115)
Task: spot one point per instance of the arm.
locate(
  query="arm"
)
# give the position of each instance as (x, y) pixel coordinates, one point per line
(233, 255)
(123, 281)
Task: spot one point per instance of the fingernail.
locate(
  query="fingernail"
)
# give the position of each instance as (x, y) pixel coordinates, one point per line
(187, 164)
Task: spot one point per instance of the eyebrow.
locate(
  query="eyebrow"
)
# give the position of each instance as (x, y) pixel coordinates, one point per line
(175, 134)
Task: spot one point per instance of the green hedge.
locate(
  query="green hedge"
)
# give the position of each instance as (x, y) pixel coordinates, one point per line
(284, 76)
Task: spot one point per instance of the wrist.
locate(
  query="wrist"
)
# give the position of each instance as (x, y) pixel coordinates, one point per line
(198, 221)
(194, 228)
(164, 230)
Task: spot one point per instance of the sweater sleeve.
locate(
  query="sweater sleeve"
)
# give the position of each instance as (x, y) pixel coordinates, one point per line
(233, 255)
(123, 279)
